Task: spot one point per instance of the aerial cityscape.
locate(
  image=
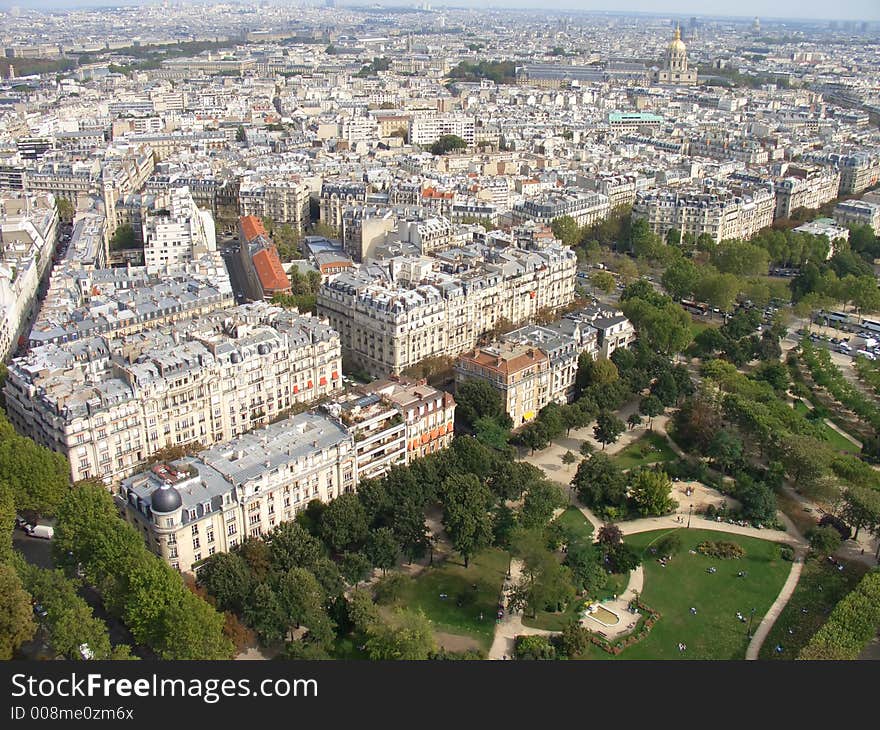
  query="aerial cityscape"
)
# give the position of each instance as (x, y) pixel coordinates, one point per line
(372, 331)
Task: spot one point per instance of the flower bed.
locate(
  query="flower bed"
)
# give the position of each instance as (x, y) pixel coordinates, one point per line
(648, 618)
(721, 549)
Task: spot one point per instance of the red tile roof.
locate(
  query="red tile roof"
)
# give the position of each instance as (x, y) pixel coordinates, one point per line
(251, 227)
(270, 271)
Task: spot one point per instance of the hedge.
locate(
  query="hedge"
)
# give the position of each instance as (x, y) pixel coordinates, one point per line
(851, 625)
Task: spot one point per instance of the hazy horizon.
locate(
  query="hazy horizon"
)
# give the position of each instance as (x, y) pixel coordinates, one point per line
(849, 10)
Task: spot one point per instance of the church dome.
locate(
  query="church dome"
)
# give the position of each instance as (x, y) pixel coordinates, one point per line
(677, 45)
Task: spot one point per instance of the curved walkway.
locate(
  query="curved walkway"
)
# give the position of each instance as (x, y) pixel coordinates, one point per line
(773, 612)
(511, 624)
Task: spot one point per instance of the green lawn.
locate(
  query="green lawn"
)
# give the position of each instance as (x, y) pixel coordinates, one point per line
(651, 448)
(487, 570)
(714, 632)
(578, 527)
(835, 440)
(819, 589)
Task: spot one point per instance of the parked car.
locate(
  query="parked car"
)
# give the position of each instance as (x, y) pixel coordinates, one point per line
(39, 611)
(46, 532)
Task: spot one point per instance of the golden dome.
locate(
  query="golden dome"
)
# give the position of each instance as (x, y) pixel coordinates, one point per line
(677, 44)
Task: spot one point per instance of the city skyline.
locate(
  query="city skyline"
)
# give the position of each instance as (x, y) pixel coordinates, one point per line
(806, 10)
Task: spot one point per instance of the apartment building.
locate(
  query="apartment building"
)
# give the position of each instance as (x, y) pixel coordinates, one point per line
(858, 213)
(584, 208)
(562, 342)
(378, 430)
(336, 196)
(194, 507)
(429, 235)
(723, 146)
(520, 372)
(425, 129)
(175, 231)
(284, 201)
(858, 171)
(613, 329)
(28, 233)
(805, 187)
(108, 404)
(393, 315)
(713, 210)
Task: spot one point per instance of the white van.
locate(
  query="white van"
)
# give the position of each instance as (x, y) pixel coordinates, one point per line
(44, 531)
(867, 355)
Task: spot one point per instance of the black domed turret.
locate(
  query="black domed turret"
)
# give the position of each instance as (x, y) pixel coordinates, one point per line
(165, 499)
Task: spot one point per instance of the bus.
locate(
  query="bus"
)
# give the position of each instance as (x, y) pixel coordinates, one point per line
(695, 307)
(871, 325)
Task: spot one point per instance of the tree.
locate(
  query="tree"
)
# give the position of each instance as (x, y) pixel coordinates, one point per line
(122, 238)
(861, 508)
(609, 535)
(355, 567)
(7, 521)
(302, 601)
(566, 229)
(466, 502)
(534, 648)
(575, 639)
(673, 237)
(608, 428)
(663, 325)
(191, 629)
(407, 636)
(600, 371)
(603, 281)
(587, 572)
(823, 540)
(344, 523)
(633, 420)
(362, 612)
(726, 450)
(586, 449)
(227, 578)
(16, 618)
(600, 483)
(718, 290)
(544, 582)
(265, 615)
(447, 143)
(568, 458)
(805, 459)
(476, 399)
(651, 492)
(382, 548)
(291, 545)
(66, 209)
(542, 498)
(665, 389)
(680, 278)
(757, 499)
(511, 478)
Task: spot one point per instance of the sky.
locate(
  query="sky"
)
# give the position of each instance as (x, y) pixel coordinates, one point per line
(810, 9)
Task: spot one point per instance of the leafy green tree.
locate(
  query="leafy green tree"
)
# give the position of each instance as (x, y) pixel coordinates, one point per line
(191, 629)
(608, 428)
(355, 567)
(302, 602)
(757, 499)
(534, 648)
(805, 459)
(663, 325)
(291, 545)
(541, 500)
(666, 389)
(227, 578)
(824, 540)
(123, 238)
(362, 612)
(7, 521)
(16, 619)
(861, 508)
(600, 371)
(651, 492)
(566, 230)
(512, 478)
(382, 548)
(633, 420)
(740, 258)
(265, 615)
(569, 458)
(600, 483)
(603, 281)
(447, 143)
(466, 502)
(587, 571)
(476, 399)
(680, 277)
(575, 640)
(344, 523)
(408, 635)
(726, 450)
(39, 478)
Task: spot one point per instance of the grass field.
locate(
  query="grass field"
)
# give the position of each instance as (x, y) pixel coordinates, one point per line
(819, 589)
(835, 440)
(459, 613)
(578, 527)
(651, 448)
(714, 632)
